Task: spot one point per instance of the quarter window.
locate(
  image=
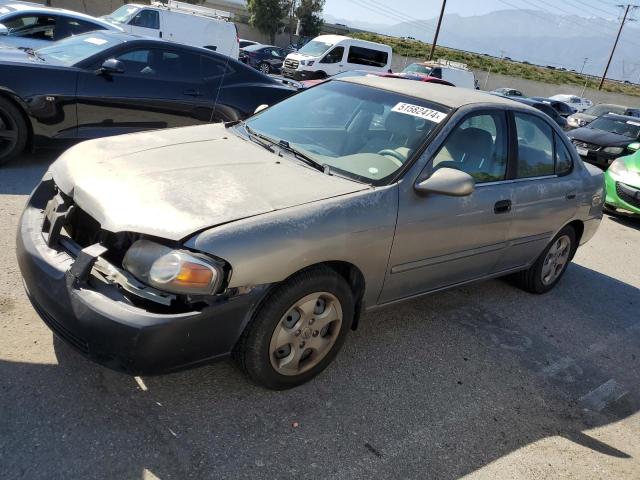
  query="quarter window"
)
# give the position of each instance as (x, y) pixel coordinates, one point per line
(564, 162)
(535, 146)
(478, 146)
(334, 56)
(367, 56)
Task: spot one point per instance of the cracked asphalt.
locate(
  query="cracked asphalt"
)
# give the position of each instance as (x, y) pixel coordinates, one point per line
(483, 381)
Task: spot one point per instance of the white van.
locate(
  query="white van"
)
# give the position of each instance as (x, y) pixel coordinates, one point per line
(453, 72)
(180, 22)
(328, 55)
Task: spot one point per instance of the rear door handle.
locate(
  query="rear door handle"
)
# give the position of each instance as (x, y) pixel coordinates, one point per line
(192, 92)
(503, 206)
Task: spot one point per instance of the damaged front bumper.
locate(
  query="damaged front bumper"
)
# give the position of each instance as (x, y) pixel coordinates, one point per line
(70, 290)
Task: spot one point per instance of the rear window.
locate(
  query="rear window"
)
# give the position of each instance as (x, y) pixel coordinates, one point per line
(367, 56)
(598, 110)
(417, 68)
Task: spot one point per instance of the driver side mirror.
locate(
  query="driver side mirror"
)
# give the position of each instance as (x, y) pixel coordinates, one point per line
(3, 30)
(111, 66)
(634, 147)
(447, 181)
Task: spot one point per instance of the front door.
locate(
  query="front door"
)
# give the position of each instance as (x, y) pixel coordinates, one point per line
(333, 61)
(146, 23)
(159, 88)
(441, 240)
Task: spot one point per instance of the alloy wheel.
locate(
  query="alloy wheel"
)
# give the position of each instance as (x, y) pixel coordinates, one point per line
(8, 133)
(556, 259)
(305, 334)
(264, 68)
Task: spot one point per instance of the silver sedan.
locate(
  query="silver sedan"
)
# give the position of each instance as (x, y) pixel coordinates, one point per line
(267, 239)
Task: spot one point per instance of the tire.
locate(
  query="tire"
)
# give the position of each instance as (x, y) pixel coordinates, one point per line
(320, 76)
(272, 362)
(264, 68)
(13, 131)
(534, 280)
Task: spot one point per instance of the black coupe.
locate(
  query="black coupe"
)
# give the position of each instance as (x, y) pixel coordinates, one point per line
(108, 83)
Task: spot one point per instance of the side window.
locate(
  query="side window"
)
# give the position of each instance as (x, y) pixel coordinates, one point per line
(477, 146)
(436, 72)
(72, 26)
(564, 162)
(334, 56)
(146, 19)
(535, 146)
(138, 62)
(37, 27)
(366, 56)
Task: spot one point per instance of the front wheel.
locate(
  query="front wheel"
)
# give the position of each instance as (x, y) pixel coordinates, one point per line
(264, 68)
(550, 266)
(298, 330)
(13, 131)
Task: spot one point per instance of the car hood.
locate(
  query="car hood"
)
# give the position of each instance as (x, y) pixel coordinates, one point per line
(173, 183)
(600, 137)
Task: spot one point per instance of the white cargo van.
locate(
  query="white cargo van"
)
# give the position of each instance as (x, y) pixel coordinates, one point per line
(453, 72)
(328, 55)
(180, 22)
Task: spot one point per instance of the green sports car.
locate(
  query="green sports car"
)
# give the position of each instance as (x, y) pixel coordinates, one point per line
(622, 180)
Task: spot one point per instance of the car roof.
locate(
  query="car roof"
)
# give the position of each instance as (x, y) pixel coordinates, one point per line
(442, 94)
(24, 8)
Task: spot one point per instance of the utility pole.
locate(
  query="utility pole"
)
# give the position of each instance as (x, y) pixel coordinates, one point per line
(615, 44)
(435, 37)
(586, 60)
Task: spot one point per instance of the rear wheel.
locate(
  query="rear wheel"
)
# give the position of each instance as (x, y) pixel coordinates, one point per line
(298, 331)
(13, 131)
(264, 68)
(547, 270)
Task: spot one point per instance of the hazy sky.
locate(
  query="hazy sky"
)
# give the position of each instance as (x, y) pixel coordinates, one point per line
(397, 11)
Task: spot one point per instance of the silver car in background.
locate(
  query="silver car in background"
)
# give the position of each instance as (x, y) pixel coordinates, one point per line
(267, 239)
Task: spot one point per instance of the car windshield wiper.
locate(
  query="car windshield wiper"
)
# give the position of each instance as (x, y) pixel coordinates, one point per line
(284, 145)
(264, 142)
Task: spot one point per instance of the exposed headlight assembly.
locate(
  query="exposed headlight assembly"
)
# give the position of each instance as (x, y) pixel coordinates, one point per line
(613, 150)
(175, 271)
(618, 167)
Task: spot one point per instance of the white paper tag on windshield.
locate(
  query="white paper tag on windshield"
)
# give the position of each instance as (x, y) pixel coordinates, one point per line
(420, 112)
(633, 123)
(95, 41)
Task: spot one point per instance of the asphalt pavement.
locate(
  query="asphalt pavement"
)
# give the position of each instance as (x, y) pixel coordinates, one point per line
(484, 381)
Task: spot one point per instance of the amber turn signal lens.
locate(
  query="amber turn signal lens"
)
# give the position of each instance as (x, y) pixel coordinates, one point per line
(194, 274)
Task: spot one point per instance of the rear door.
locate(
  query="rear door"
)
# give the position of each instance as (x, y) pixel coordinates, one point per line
(544, 191)
(160, 88)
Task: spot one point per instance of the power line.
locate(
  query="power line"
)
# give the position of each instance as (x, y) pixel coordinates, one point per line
(615, 44)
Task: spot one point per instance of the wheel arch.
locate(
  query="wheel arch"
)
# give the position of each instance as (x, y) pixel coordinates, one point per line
(352, 275)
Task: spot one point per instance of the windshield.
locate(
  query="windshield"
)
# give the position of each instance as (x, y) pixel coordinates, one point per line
(417, 68)
(361, 132)
(73, 50)
(628, 128)
(315, 48)
(599, 110)
(123, 14)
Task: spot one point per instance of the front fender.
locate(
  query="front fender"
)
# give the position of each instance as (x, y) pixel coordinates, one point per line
(357, 228)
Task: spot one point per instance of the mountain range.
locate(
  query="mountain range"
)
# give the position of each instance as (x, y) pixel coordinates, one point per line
(529, 35)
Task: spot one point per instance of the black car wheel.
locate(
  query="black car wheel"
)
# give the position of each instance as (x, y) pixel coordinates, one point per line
(550, 266)
(264, 68)
(298, 330)
(13, 131)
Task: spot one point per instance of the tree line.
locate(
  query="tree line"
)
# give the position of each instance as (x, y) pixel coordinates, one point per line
(272, 16)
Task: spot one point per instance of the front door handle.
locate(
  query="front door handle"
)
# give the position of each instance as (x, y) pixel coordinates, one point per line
(192, 92)
(571, 196)
(503, 206)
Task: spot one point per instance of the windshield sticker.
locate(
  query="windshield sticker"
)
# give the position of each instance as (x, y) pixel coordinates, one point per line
(633, 123)
(95, 41)
(420, 112)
